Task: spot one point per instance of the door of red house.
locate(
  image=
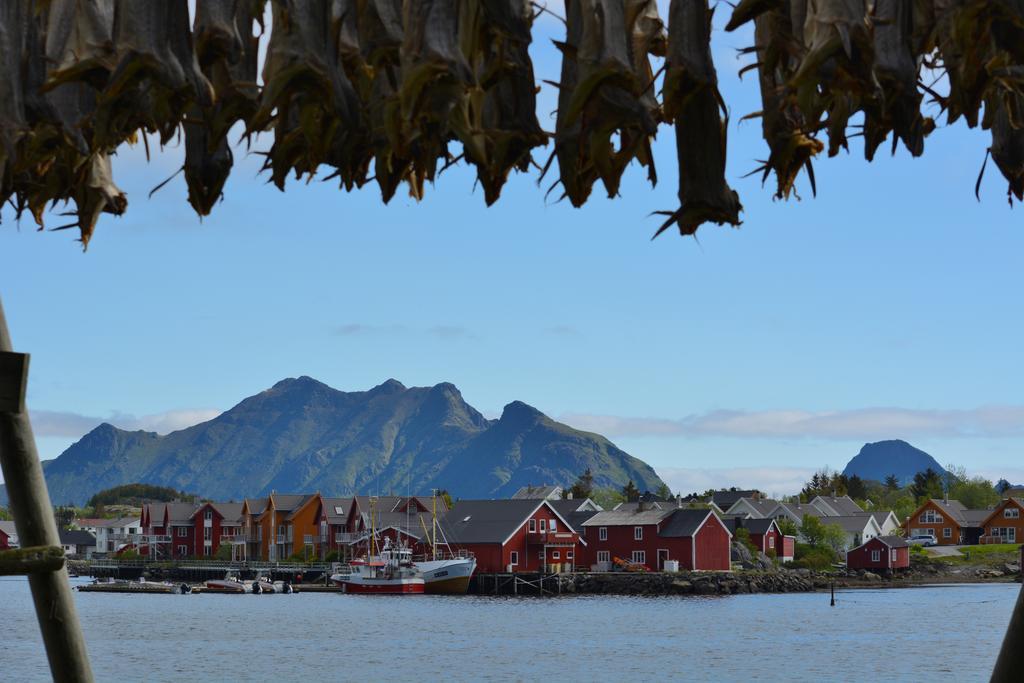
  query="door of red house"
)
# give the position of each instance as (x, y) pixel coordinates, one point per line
(662, 558)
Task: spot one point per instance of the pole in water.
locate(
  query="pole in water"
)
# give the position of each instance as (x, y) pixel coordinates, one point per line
(833, 592)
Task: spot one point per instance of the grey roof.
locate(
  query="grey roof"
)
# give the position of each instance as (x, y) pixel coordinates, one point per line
(631, 517)
(286, 502)
(7, 526)
(754, 525)
(486, 521)
(231, 512)
(256, 505)
(337, 509)
(878, 515)
(726, 499)
(683, 522)
(844, 505)
(956, 511)
(180, 512)
(848, 523)
(115, 523)
(893, 541)
(76, 537)
(569, 510)
(975, 517)
(763, 506)
(537, 492)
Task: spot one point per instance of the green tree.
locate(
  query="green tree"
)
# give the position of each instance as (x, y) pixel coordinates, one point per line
(446, 497)
(976, 493)
(664, 492)
(630, 492)
(743, 536)
(787, 526)
(892, 483)
(223, 553)
(927, 484)
(584, 486)
(5, 516)
(855, 488)
(833, 537)
(812, 530)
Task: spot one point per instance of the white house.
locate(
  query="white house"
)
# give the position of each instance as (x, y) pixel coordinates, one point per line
(111, 534)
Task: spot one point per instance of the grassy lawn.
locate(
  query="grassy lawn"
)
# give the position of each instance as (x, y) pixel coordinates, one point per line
(985, 554)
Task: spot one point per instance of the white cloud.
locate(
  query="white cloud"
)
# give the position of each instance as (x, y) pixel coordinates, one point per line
(774, 481)
(859, 424)
(49, 423)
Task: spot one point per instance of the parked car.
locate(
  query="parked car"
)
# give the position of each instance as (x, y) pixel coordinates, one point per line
(927, 540)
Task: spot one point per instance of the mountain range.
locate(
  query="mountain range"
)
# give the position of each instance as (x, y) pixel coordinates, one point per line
(880, 459)
(302, 435)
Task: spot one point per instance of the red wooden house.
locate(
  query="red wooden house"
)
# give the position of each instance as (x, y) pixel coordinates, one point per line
(765, 534)
(513, 535)
(5, 540)
(1005, 524)
(881, 553)
(695, 538)
(168, 530)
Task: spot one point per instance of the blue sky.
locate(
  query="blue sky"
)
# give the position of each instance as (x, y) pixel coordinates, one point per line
(884, 308)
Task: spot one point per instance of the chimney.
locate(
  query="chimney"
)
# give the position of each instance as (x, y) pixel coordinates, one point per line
(679, 500)
(569, 497)
(640, 505)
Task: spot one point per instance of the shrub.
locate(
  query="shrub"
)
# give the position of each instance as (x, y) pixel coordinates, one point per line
(743, 536)
(808, 557)
(333, 556)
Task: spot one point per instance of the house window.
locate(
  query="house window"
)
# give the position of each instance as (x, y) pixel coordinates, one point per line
(182, 532)
(207, 550)
(543, 525)
(931, 517)
(876, 556)
(568, 554)
(208, 514)
(771, 541)
(604, 556)
(892, 555)
(554, 527)
(638, 533)
(947, 533)
(533, 526)
(207, 533)
(182, 550)
(639, 557)
(602, 533)
(1011, 513)
(513, 557)
(555, 555)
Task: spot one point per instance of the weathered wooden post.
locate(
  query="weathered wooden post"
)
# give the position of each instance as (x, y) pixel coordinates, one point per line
(33, 516)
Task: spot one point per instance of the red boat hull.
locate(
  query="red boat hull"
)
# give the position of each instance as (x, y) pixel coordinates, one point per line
(394, 588)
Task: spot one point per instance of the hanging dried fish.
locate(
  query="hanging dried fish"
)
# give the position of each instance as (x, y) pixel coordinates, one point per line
(227, 52)
(156, 77)
(1008, 148)
(600, 97)
(380, 34)
(899, 109)
(692, 101)
(434, 87)
(307, 98)
(14, 21)
(80, 41)
(836, 73)
(501, 103)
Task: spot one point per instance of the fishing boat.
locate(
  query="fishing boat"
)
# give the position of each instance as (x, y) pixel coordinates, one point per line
(390, 573)
(444, 571)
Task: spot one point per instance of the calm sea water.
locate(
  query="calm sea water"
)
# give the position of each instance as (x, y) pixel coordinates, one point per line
(892, 635)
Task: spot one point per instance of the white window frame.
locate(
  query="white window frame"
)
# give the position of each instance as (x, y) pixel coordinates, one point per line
(947, 533)
(543, 526)
(555, 555)
(638, 533)
(604, 556)
(207, 533)
(892, 555)
(208, 514)
(513, 557)
(552, 526)
(207, 550)
(182, 532)
(1015, 513)
(570, 555)
(602, 533)
(639, 557)
(182, 550)
(533, 526)
(876, 555)
(771, 541)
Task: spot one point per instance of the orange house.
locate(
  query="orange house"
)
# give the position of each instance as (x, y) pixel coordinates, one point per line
(290, 525)
(1006, 523)
(948, 521)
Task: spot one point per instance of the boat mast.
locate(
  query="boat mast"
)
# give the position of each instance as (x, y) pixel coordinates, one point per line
(433, 524)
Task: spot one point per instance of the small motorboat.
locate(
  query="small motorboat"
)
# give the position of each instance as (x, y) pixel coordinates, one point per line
(229, 584)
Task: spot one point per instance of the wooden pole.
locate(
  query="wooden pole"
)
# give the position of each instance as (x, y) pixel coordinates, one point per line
(1011, 656)
(33, 516)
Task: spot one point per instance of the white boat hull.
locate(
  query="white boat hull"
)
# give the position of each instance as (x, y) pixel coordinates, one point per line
(447, 576)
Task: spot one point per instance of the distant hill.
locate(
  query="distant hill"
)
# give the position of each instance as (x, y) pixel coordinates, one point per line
(880, 459)
(302, 435)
